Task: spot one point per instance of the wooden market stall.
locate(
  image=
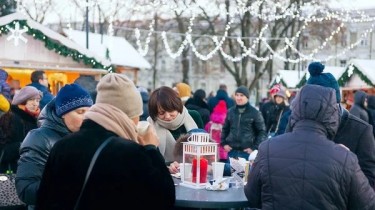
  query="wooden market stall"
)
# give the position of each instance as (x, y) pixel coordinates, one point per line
(26, 45)
(123, 56)
(359, 74)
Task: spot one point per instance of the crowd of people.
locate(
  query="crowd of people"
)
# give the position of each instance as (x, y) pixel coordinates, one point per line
(312, 153)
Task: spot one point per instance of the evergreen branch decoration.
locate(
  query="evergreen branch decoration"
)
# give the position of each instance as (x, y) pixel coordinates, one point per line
(53, 45)
(345, 77)
(302, 82)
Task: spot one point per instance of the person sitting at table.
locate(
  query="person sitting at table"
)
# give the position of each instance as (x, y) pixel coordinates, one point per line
(304, 168)
(171, 120)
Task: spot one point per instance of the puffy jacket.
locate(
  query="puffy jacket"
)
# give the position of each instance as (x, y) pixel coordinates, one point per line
(304, 169)
(243, 130)
(34, 153)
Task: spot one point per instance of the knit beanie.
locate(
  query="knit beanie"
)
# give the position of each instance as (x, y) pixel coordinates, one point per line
(25, 94)
(221, 107)
(119, 91)
(281, 93)
(243, 90)
(323, 79)
(71, 97)
(184, 90)
(276, 88)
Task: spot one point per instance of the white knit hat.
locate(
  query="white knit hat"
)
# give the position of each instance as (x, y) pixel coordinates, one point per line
(119, 91)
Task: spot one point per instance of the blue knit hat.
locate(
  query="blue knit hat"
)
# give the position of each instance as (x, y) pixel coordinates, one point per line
(71, 97)
(323, 79)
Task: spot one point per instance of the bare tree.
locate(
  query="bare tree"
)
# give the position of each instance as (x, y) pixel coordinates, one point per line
(36, 10)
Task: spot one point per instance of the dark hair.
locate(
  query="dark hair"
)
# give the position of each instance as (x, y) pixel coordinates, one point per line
(165, 98)
(37, 75)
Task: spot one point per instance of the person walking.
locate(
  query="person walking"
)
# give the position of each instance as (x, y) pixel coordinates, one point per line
(15, 124)
(305, 169)
(353, 132)
(61, 116)
(39, 80)
(244, 127)
(129, 172)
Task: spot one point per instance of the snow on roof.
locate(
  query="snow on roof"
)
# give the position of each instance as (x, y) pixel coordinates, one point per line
(289, 77)
(367, 67)
(120, 51)
(53, 35)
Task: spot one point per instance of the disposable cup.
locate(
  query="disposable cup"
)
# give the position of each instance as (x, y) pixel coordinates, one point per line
(185, 170)
(142, 127)
(218, 170)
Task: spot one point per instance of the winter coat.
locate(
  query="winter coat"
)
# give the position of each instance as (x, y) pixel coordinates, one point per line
(371, 111)
(200, 106)
(272, 115)
(359, 109)
(283, 122)
(126, 175)
(34, 152)
(47, 96)
(145, 98)
(220, 95)
(215, 127)
(243, 130)
(304, 169)
(14, 126)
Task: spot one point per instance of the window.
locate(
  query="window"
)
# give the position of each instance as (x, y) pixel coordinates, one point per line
(342, 63)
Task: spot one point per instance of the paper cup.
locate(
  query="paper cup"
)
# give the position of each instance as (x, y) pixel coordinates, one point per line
(218, 170)
(185, 170)
(142, 127)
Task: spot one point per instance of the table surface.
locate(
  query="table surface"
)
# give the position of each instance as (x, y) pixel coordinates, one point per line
(202, 198)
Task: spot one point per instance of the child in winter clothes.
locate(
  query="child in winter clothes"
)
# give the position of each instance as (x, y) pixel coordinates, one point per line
(215, 125)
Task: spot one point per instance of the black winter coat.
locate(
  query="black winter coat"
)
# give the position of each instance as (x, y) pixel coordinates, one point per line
(34, 152)
(126, 175)
(305, 170)
(359, 109)
(243, 130)
(14, 126)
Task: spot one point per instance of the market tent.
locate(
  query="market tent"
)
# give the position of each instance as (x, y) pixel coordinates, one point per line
(358, 74)
(117, 49)
(288, 78)
(26, 45)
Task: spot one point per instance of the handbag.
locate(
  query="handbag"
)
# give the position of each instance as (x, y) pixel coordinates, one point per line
(92, 163)
(8, 195)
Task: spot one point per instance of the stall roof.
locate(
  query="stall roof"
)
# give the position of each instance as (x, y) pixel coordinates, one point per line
(289, 78)
(5, 20)
(120, 51)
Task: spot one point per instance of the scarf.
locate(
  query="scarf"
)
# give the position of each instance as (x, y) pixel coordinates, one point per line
(113, 119)
(34, 114)
(167, 142)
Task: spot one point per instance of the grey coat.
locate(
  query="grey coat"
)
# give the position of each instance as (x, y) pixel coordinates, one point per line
(34, 153)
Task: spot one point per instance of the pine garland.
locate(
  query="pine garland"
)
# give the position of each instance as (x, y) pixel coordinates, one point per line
(345, 77)
(53, 45)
